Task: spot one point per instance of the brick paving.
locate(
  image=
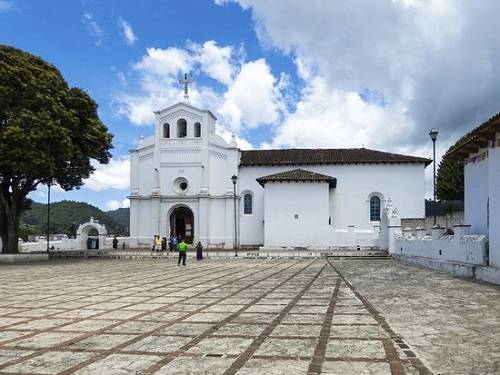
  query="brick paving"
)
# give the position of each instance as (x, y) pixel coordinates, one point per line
(212, 317)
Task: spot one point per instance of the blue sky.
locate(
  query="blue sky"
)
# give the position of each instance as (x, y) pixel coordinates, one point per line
(283, 73)
(84, 40)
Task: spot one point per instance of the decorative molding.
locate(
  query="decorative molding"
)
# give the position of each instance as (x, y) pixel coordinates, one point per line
(218, 155)
(182, 113)
(167, 154)
(146, 157)
(177, 198)
(182, 142)
(181, 164)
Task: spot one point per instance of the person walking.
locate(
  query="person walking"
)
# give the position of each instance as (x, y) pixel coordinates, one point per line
(154, 245)
(182, 248)
(158, 243)
(199, 251)
(163, 244)
(171, 245)
(115, 243)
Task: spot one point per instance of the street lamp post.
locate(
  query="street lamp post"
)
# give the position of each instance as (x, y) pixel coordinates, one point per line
(434, 134)
(234, 178)
(48, 216)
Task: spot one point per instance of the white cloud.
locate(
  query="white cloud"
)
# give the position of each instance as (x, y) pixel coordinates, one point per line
(216, 61)
(6, 6)
(164, 63)
(158, 73)
(114, 204)
(252, 99)
(242, 143)
(114, 175)
(127, 32)
(336, 118)
(429, 63)
(93, 27)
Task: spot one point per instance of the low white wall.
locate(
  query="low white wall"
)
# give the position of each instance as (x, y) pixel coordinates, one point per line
(31, 247)
(470, 249)
(74, 244)
(352, 237)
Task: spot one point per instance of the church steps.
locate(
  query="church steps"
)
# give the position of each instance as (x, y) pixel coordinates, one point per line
(224, 253)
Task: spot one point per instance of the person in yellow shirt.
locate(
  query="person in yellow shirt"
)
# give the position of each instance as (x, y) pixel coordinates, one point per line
(182, 248)
(157, 243)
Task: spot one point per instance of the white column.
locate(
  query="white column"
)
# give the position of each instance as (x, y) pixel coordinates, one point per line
(135, 212)
(461, 230)
(204, 217)
(394, 231)
(437, 232)
(229, 234)
(421, 232)
(155, 216)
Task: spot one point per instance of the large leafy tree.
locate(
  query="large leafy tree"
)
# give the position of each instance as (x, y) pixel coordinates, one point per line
(49, 133)
(450, 180)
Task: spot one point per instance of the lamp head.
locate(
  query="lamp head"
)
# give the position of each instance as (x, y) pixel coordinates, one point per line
(433, 134)
(234, 178)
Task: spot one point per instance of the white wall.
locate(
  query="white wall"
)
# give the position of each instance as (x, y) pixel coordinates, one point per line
(476, 195)
(349, 203)
(494, 194)
(470, 249)
(307, 200)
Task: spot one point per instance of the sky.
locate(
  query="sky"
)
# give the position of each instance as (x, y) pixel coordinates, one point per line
(277, 74)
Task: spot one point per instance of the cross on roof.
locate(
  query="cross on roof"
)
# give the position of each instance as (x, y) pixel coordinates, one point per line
(186, 81)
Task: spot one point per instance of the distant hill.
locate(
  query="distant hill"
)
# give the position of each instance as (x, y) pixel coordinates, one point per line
(66, 216)
(121, 216)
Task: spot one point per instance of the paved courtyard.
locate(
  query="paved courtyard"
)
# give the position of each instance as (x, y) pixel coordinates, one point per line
(244, 317)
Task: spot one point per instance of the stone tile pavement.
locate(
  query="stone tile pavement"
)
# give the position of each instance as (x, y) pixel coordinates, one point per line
(244, 317)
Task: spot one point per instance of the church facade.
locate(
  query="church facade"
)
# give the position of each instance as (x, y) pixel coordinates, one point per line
(188, 181)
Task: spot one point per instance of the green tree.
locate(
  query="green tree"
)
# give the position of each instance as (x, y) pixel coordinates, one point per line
(49, 133)
(450, 180)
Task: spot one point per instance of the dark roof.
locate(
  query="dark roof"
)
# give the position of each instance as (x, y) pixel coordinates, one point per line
(475, 139)
(298, 175)
(297, 156)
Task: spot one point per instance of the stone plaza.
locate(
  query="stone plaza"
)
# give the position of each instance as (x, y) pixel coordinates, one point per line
(227, 316)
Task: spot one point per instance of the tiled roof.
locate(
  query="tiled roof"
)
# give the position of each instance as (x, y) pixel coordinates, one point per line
(475, 139)
(298, 156)
(298, 175)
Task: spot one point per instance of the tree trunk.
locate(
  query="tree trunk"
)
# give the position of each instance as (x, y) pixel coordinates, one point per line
(3, 235)
(9, 221)
(12, 229)
(9, 232)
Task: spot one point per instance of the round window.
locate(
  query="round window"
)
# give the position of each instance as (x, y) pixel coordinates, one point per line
(180, 185)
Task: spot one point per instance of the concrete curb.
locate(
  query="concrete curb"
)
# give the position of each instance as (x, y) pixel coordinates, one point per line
(23, 258)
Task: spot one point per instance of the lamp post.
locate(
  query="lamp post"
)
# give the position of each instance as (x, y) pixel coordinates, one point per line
(48, 215)
(234, 178)
(434, 134)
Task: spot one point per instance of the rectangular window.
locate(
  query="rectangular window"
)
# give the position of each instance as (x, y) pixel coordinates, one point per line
(247, 204)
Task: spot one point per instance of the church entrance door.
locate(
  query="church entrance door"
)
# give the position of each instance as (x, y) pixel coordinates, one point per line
(182, 223)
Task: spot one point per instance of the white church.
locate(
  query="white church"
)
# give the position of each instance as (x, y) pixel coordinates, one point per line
(186, 180)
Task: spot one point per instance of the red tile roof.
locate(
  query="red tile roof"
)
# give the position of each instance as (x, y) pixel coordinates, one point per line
(299, 156)
(298, 175)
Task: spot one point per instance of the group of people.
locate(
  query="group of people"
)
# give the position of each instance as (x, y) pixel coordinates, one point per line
(174, 242)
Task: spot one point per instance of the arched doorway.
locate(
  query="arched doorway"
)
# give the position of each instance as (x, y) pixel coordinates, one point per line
(182, 223)
(93, 239)
(91, 235)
